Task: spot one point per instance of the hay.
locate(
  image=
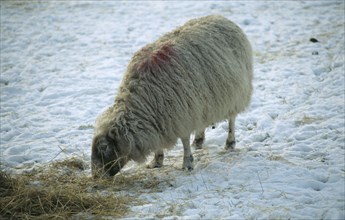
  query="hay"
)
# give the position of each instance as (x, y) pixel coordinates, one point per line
(60, 191)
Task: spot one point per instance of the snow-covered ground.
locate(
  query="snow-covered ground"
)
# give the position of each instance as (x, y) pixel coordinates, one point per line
(61, 64)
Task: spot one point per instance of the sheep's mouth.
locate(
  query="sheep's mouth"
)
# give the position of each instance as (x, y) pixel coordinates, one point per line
(108, 170)
(112, 169)
(104, 171)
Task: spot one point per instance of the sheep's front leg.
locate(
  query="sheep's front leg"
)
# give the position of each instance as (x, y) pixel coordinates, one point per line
(230, 141)
(157, 161)
(187, 155)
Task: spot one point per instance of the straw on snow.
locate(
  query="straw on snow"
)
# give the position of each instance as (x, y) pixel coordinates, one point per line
(57, 192)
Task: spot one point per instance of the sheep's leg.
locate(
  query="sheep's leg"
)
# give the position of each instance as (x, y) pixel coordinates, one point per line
(199, 139)
(157, 161)
(187, 155)
(230, 141)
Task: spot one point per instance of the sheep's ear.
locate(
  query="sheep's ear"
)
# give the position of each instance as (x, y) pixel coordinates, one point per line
(112, 133)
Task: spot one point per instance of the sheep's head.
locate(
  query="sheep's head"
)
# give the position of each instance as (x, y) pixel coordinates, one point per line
(106, 159)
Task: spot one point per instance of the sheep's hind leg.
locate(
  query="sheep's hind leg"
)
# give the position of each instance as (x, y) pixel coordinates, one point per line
(187, 155)
(230, 141)
(199, 139)
(157, 161)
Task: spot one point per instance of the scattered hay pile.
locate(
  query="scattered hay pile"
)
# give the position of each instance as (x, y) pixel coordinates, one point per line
(59, 192)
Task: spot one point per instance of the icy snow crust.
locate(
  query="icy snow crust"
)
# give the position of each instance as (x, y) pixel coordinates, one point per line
(62, 62)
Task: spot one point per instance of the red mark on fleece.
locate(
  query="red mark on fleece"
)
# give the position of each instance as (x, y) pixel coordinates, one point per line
(157, 58)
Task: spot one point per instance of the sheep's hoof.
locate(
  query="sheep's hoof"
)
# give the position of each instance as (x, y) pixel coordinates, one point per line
(230, 145)
(189, 168)
(197, 146)
(197, 143)
(157, 161)
(154, 164)
(188, 163)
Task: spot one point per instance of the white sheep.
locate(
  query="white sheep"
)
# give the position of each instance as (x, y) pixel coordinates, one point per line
(199, 74)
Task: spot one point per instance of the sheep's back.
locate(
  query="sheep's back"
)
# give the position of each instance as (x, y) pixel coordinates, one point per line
(196, 75)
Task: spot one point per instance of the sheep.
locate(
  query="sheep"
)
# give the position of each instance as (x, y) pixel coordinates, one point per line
(197, 75)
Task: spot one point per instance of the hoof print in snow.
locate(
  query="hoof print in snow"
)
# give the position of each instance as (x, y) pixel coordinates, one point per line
(314, 40)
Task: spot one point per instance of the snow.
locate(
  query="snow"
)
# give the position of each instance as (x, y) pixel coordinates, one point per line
(62, 62)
